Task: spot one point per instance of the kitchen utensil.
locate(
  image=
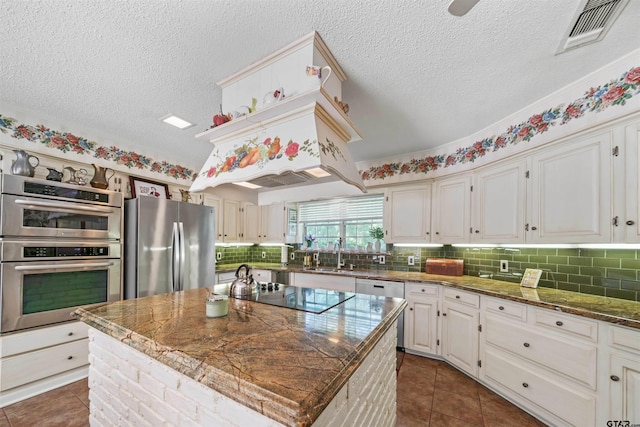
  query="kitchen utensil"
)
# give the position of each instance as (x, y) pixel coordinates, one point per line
(54, 175)
(100, 179)
(243, 285)
(76, 176)
(22, 164)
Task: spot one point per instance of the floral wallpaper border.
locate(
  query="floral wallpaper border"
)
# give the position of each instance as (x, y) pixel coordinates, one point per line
(68, 142)
(616, 92)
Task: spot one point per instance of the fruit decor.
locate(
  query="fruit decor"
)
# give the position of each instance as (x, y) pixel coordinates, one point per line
(259, 154)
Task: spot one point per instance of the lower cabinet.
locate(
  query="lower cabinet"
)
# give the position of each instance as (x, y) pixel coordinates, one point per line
(38, 360)
(421, 318)
(624, 375)
(460, 329)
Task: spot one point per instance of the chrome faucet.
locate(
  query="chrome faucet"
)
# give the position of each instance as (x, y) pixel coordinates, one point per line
(339, 248)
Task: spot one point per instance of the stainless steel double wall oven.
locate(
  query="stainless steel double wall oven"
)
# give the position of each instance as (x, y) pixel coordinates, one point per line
(60, 248)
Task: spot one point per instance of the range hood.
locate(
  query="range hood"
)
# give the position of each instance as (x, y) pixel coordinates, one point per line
(295, 140)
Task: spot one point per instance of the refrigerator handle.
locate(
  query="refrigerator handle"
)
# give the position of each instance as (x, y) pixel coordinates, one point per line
(183, 256)
(175, 257)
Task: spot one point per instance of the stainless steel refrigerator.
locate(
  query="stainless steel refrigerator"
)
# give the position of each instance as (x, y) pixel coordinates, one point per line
(169, 246)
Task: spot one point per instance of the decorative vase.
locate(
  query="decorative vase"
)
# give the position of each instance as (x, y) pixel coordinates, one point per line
(370, 247)
(377, 245)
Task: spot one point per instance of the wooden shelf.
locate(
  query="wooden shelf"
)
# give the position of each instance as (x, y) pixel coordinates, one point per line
(281, 111)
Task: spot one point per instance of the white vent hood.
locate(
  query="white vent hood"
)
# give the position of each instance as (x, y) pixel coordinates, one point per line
(288, 141)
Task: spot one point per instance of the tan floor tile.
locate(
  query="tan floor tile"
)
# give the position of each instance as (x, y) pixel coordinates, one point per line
(450, 379)
(466, 408)
(4, 422)
(54, 408)
(498, 413)
(80, 389)
(441, 420)
(409, 414)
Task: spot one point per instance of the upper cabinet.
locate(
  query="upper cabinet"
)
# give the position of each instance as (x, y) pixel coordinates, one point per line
(627, 187)
(498, 203)
(570, 193)
(407, 214)
(451, 219)
(275, 223)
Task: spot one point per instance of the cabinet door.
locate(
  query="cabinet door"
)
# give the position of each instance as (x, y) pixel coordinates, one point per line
(571, 193)
(209, 200)
(498, 214)
(232, 221)
(624, 389)
(452, 210)
(460, 336)
(421, 319)
(627, 202)
(273, 223)
(252, 223)
(408, 214)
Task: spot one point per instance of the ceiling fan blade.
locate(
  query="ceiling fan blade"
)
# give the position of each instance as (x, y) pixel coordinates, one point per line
(461, 7)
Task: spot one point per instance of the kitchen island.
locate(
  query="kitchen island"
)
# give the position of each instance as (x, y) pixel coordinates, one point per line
(160, 360)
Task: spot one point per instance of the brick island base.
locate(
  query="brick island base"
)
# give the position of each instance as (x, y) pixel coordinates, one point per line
(128, 387)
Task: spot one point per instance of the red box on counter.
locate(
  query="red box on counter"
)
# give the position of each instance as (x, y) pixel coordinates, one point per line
(444, 266)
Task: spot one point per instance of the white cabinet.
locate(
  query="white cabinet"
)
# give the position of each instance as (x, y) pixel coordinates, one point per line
(570, 193)
(252, 222)
(460, 329)
(421, 318)
(232, 221)
(37, 360)
(545, 361)
(275, 223)
(624, 375)
(451, 219)
(627, 187)
(216, 203)
(407, 214)
(498, 203)
(324, 281)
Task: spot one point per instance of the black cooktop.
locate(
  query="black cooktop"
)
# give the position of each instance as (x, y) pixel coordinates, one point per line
(304, 299)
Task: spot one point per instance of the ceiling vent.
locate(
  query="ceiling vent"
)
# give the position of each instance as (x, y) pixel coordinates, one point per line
(592, 23)
(285, 178)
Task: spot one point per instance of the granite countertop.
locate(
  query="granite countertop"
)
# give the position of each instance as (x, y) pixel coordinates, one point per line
(613, 310)
(283, 363)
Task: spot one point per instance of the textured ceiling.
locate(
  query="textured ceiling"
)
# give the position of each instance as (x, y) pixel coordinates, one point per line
(417, 76)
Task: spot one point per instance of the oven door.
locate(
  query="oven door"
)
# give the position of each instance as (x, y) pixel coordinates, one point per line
(34, 217)
(38, 293)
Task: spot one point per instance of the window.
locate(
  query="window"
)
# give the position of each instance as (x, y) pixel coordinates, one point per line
(349, 218)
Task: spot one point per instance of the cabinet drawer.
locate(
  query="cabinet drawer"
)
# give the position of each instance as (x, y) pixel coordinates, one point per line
(472, 300)
(564, 323)
(262, 275)
(35, 339)
(627, 339)
(511, 310)
(421, 289)
(550, 393)
(577, 360)
(35, 365)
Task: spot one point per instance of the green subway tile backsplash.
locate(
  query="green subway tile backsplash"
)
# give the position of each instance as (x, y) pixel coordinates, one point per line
(611, 272)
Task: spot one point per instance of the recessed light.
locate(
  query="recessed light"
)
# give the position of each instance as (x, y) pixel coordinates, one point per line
(176, 121)
(248, 185)
(318, 172)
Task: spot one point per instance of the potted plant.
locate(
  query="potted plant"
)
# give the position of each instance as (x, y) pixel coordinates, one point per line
(378, 234)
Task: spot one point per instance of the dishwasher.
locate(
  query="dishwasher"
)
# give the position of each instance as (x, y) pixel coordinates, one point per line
(384, 288)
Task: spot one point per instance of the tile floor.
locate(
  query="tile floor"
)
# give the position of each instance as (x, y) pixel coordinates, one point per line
(430, 394)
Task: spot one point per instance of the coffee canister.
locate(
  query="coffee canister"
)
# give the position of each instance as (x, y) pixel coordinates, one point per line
(217, 306)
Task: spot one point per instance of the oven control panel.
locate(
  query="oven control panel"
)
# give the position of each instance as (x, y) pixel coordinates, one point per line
(64, 251)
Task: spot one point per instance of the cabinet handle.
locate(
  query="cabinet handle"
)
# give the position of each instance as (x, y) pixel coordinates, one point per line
(477, 231)
(457, 296)
(615, 221)
(410, 308)
(614, 378)
(70, 334)
(422, 290)
(630, 222)
(70, 357)
(427, 233)
(534, 228)
(525, 385)
(526, 344)
(559, 323)
(444, 314)
(501, 308)
(437, 232)
(526, 227)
